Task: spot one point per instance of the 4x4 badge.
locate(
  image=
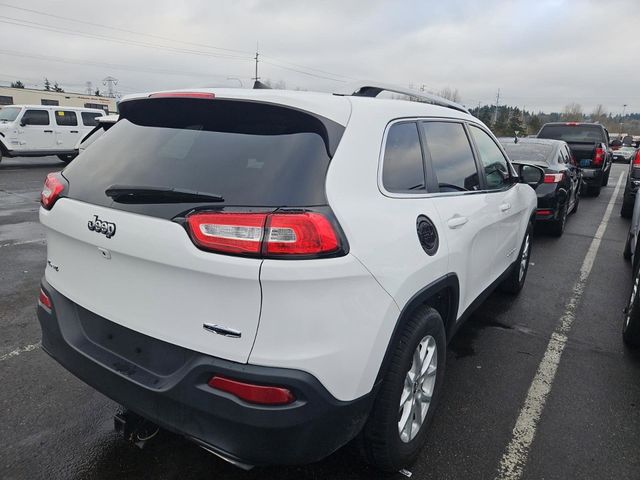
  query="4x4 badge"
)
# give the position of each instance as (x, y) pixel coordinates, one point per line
(102, 226)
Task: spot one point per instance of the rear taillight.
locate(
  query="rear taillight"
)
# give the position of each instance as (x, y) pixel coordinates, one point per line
(598, 156)
(284, 234)
(544, 212)
(553, 177)
(636, 158)
(239, 233)
(53, 187)
(300, 234)
(259, 394)
(44, 301)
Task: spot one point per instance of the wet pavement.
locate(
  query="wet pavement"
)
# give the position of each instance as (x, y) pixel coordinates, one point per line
(53, 426)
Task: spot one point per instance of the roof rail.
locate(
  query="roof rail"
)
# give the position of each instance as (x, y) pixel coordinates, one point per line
(373, 89)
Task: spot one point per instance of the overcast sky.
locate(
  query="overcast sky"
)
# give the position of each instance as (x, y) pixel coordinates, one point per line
(541, 54)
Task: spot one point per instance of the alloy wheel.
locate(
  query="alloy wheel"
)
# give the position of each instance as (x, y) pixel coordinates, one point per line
(418, 389)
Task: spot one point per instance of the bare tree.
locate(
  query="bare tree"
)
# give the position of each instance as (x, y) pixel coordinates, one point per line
(450, 94)
(573, 112)
(599, 114)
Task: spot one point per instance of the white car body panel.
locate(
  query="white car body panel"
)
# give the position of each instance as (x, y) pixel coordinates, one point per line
(156, 281)
(328, 317)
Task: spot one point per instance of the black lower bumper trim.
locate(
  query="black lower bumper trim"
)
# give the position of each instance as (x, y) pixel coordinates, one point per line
(167, 385)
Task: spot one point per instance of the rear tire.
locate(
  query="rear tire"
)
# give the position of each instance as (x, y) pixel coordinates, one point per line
(594, 190)
(388, 439)
(627, 209)
(67, 158)
(605, 179)
(576, 203)
(556, 228)
(626, 253)
(515, 281)
(631, 323)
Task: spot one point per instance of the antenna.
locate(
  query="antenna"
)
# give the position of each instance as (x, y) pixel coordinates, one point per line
(495, 115)
(89, 86)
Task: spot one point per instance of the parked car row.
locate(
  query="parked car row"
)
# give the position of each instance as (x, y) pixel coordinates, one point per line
(280, 272)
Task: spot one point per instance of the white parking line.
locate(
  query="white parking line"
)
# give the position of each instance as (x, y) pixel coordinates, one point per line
(515, 457)
(18, 351)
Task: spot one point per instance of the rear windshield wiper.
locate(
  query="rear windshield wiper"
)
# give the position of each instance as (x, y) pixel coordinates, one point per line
(146, 194)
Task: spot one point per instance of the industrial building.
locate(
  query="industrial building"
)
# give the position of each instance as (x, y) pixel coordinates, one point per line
(28, 96)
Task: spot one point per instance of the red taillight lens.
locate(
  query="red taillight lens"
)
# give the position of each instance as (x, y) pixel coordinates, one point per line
(203, 95)
(260, 394)
(53, 187)
(598, 156)
(553, 178)
(44, 301)
(239, 233)
(273, 235)
(544, 213)
(300, 234)
(636, 158)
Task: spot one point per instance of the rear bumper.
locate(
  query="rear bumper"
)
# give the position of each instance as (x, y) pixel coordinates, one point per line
(551, 198)
(592, 176)
(167, 385)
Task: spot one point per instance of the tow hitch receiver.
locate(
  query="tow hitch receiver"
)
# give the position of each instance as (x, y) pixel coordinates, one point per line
(135, 428)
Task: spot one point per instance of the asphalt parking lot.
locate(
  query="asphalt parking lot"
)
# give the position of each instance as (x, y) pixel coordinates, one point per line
(53, 426)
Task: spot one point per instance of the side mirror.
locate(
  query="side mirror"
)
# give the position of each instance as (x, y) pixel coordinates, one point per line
(25, 121)
(529, 174)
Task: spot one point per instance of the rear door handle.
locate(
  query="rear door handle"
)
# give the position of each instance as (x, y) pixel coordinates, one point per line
(505, 207)
(74, 131)
(457, 221)
(48, 131)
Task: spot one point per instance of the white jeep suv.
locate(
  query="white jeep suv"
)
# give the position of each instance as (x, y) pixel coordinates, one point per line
(273, 274)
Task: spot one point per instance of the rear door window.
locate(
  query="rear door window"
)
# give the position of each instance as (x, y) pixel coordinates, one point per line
(66, 118)
(451, 157)
(403, 166)
(36, 117)
(251, 154)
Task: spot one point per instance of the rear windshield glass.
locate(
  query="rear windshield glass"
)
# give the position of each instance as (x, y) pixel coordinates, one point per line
(573, 133)
(251, 154)
(519, 152)
(9, 114)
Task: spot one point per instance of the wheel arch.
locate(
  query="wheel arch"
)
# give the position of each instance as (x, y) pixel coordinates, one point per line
(443, 295)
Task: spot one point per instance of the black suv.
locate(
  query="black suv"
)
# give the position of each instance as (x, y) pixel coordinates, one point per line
(589, 144)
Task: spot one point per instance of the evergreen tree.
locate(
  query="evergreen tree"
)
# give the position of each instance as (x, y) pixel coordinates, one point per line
(17, 84)
(47, 84)
(97, 92)
(57, 88)
(534, 124)
(515, 123)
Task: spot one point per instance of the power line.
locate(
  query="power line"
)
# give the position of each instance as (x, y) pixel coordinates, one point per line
(109, 27)
(278, 62)
(41, 26)
(114, 66)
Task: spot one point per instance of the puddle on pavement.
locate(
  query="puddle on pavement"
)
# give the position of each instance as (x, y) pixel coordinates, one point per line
(20, 232)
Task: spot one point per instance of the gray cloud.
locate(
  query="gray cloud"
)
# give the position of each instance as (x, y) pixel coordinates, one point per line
(541, 54)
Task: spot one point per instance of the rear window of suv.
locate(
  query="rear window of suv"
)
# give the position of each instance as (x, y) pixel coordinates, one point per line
(250, 153)
(573, 133)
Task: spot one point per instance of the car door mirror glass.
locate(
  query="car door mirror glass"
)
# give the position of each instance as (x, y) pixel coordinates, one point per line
(24, 122)
(530, 174)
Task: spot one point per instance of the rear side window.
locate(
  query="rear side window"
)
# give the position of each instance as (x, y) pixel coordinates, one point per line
(496, 170)
(66, 118)
(250, 153)
(451, 157)
(402, 166)
(36, 117)
(89, 118)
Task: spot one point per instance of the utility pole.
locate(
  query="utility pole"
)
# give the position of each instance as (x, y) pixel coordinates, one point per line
(256, 58)
(110, 83)
(495, 115)
(89, 88)
(624, 109)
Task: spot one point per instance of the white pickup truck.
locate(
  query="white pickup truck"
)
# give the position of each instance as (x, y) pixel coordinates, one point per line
(37, 130)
